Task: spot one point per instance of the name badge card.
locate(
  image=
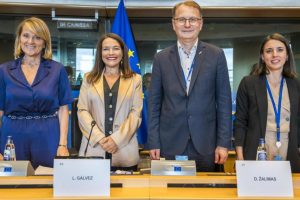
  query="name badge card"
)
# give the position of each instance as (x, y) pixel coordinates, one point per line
(81, 177)
(264, 179)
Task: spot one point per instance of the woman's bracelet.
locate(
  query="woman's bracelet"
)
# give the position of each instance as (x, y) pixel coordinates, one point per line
(62, 145)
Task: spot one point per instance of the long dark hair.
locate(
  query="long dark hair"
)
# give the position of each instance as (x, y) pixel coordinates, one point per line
(289, 67)
(99, 66)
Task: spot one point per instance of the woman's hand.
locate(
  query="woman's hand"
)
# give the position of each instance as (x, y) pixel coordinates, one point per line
(62, 151)
(239, 153)
(109, 145)
(1, 157)
(63, 117)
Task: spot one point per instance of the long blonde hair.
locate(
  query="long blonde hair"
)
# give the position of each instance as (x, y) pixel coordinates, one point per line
(38, 27)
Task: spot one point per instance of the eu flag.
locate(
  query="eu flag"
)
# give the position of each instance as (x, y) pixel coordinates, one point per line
(121, 27)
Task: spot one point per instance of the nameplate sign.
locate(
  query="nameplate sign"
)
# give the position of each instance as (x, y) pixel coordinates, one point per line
(173, 168)
(264, 179)
(16, 168)
(81, 177)
(77, 25)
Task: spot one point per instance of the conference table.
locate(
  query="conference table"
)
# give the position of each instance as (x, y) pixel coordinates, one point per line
(203, 186)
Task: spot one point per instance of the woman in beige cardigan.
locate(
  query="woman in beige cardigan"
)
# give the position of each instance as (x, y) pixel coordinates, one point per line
(111, 95)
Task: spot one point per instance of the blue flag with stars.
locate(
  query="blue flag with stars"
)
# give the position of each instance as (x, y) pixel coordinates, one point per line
(121, 27)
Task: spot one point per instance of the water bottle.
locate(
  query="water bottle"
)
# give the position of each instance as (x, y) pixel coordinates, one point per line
(261, 150)
(13, 151)
(9, 151)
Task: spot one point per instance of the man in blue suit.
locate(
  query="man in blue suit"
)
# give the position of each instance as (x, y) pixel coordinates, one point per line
(190, 97)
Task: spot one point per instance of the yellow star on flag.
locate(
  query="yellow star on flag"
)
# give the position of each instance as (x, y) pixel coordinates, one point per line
(130, 53)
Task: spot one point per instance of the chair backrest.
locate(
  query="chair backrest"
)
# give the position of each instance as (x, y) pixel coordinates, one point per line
(75, 130)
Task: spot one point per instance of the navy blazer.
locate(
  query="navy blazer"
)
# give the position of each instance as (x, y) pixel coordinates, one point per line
(251, 117)
(204, 115)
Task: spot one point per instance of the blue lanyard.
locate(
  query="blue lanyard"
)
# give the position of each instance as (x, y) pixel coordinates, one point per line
(190, 72)
(278, 110)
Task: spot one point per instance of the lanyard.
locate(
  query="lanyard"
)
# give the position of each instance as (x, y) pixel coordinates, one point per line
(278, 110)
(190, 72)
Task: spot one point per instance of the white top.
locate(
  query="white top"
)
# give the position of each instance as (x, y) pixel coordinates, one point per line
(186, 60)
(271, 133)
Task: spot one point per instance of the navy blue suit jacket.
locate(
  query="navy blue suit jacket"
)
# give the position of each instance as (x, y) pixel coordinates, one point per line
(204, 114)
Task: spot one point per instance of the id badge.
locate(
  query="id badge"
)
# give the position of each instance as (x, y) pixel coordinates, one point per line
(277, 157)
(181, 157)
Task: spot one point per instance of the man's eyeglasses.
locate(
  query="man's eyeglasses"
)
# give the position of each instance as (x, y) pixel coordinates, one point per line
(192, 20)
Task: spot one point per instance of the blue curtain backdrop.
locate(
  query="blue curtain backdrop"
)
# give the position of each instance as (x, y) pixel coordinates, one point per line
(121, 27)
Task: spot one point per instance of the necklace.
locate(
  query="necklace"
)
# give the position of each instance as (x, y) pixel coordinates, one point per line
(274, 81)
(112, 71)
(30, 63)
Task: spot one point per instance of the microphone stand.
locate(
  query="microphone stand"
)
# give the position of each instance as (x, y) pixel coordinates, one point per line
(93, 123)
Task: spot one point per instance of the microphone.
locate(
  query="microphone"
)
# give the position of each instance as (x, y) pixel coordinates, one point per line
(93, 123)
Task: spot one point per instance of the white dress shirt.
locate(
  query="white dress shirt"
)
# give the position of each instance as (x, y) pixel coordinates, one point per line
(186, 60)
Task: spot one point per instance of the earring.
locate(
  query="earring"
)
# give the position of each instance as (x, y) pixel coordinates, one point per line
(262, 59)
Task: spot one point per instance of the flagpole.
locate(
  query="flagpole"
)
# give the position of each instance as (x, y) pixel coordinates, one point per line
(121, 26)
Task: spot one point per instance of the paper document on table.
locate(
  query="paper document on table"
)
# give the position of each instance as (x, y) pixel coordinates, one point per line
(41, 170)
